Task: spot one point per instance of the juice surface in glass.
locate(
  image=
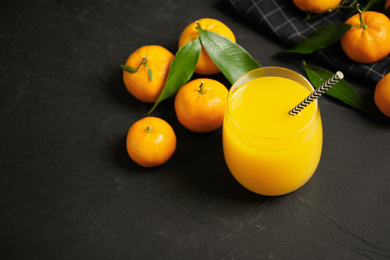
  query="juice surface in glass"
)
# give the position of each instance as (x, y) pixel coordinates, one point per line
(267, 150)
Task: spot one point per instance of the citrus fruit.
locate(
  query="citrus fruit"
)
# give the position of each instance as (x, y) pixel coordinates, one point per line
(387, 4)
(316, 6)
(150, 66)
(382, 95)
(205, 65)
(150, 141)
(200, 105)
(368, 40)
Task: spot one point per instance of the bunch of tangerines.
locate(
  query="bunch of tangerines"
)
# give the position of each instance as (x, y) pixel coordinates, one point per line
(367, 41)
(200, 103)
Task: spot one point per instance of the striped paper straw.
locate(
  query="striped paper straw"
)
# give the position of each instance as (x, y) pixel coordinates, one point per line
(317, 93)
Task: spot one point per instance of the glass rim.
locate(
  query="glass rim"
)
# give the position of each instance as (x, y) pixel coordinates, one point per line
(269, 68)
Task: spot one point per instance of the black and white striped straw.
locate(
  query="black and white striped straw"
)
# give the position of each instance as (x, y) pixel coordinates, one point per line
(317, 93)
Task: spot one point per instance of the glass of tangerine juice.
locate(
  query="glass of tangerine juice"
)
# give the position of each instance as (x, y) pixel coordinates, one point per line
(267, 150)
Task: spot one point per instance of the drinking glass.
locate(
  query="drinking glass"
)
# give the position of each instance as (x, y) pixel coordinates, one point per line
(267, 150)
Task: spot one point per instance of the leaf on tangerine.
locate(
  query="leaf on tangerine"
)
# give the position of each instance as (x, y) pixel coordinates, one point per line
(181, 70)
(321, 38)
(150, 74)
(127, 68)
(232, 59)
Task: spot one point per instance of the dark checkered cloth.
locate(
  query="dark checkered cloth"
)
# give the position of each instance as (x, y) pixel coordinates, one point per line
(284, 20)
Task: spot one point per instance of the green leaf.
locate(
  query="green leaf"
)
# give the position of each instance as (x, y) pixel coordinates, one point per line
(233, 60)
(150, 74)
(128, 69)
(181, 70)
(371, 3)
(342, 90)
(321, 38)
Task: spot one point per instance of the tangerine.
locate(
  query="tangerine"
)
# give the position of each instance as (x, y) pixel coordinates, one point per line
(205, 65)
(382, 95)
(150, 141)
(147, 71)
(316, 6)
(200, 105)
(387, 4)
(368, 40)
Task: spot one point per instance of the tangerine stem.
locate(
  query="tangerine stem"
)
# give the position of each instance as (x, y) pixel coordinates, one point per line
(362, 24)
(346, 5)
(198, 25)
(145, 62)
(148, 129)
(202, 91)
(142, 62)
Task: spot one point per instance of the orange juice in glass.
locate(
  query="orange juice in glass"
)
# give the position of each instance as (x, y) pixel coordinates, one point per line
(267, 150)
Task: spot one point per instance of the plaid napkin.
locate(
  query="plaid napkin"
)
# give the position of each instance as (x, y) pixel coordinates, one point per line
(284, 20)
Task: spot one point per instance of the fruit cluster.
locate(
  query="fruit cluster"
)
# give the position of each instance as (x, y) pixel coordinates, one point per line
(365, 40)
(199, 104)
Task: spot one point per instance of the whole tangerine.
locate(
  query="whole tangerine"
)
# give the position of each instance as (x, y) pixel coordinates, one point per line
(150, 141)
(368, 40)
(149, 67)
(200, 105)
(316, 6)
(382, 95)
(205, 65)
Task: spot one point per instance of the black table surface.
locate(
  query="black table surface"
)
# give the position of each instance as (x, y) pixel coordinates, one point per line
(70, 191)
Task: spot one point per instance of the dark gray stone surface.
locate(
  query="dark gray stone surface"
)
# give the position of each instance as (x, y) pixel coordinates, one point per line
(68, 189)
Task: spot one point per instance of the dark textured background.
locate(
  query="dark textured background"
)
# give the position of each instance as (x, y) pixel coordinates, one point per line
(68, 189)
